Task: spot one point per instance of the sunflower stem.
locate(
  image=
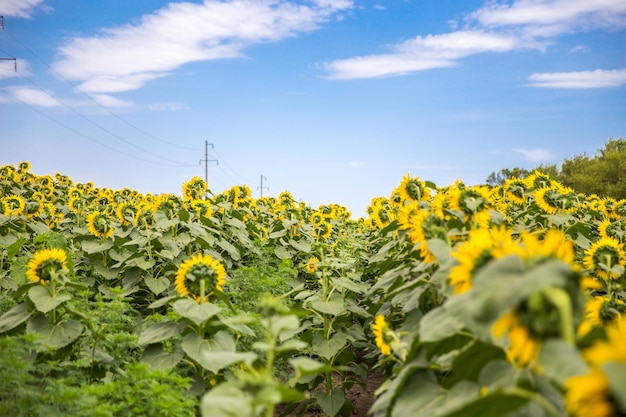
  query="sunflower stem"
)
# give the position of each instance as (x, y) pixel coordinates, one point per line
(202, 290)
(561, 300)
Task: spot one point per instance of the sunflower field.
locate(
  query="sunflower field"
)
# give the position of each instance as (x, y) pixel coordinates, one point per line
(463, 300)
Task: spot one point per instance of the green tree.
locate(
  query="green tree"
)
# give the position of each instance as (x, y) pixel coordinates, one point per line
(603, 174)
(499, 178)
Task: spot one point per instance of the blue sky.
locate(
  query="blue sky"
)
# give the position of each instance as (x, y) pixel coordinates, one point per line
(332, 100)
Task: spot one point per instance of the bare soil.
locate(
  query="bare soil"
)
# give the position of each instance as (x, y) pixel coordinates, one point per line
(361, 394)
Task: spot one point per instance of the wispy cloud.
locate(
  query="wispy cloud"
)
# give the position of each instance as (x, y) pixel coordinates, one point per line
(127, 57)
(579, 79)
(421, 53)
(168, 107)
(33, 96)
(496, 27)
(18, 8)
(8, 68)
(535, 155)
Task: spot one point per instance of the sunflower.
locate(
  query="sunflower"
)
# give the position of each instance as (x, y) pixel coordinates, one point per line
(198, 276)
(323, 231)
(194, 189)
(412, 188)
(202, 208)
(554, 245)
(99, 224)
(603, 256)
(311, 265)
(482, 245)
(423, 226)
(614, 229)
(538, 180)
(14, 205)
(514, 189)
(379, 328)
(522, 349)
(588, 395)
(46, 264)
(126, 212)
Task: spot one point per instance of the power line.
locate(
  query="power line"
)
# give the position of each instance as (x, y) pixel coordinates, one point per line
(233, 171)
(71, 129)
(91, 98)
(82, 116)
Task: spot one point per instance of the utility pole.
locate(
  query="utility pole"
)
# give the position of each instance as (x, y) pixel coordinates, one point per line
(7, 59)
(207, 160)
(261, 187)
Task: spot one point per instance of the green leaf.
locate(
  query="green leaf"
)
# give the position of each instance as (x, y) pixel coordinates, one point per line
(291, 345)
(163, 301)
(197, 313)
(14, 317)
(231, 249)
(560, 360)
(159, 332)
(155, 356)
(440, 249)
(141, 263)
(282, 253)
(467, 366)
(329, 348)
(347, 283)
(14, 248)
(305, 366)
(331, 403)
(215, 354)
(334, 306)
(44, 302)
(96, 246)
(301, 245)
(227, 400)
(616, 374)
(156, 285)
(55, 335)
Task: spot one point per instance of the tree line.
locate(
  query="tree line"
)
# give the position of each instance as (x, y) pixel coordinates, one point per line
(603, 174)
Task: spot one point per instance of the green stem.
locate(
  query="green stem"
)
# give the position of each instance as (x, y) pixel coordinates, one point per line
(561, 300)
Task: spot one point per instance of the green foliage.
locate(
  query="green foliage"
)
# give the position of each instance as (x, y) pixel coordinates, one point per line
(499, 178)
(602, 174)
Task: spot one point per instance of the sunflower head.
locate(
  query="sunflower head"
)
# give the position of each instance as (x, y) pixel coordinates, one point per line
(412, 188)
(381, 330)
(46, 265)
(606, 258)
(199, 276)
(312, 265)
(126, 212)
(99, 224)
(195, 188)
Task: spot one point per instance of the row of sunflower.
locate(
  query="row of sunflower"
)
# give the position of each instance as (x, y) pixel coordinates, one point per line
(101, 281)
(499, 301)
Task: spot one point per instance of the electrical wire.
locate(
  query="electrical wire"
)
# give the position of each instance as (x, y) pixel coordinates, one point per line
(71, 129)
(94, 100)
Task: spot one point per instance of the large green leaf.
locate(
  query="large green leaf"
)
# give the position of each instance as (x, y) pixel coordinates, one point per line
(159, 332)
(96, 246)
(559, 360)
(333, 306)
(197, 313)
(616, 374)
(215, 354)
(55, 335)
(331, 402)
(327, 348)
(155, 356)
(302, 245)
(45, 302)
(304, 367)
(227, 400)
(14, 317)
(156, 285)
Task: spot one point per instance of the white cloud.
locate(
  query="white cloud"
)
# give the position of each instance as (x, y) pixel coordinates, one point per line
(18, 8)
(33, 96)
(168, 107)
(8, 68)
(127, 57)
(535, 155)
(579, 49)
(110, 101)
(553, 17)
(579, 79)
(498, 26)
(421, 53)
